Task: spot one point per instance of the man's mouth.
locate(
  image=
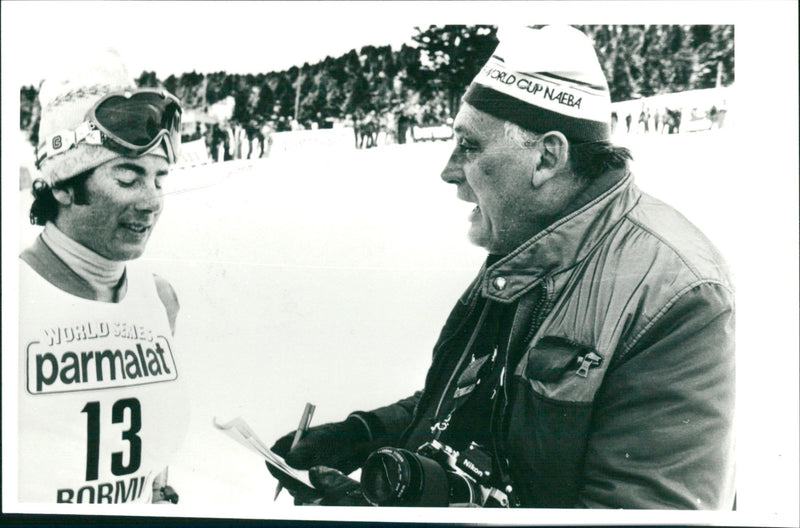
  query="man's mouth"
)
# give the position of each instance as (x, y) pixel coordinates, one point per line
(469, 197)
(475, 213)
(136, 227)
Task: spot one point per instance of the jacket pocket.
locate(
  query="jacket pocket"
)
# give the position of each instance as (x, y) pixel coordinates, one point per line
(550, 409)
(545, 444)
(562, 370)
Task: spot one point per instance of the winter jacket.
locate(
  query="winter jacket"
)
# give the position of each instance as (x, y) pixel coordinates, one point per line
(618, 390)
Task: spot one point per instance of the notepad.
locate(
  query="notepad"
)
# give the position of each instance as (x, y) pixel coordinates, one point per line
(244, 434)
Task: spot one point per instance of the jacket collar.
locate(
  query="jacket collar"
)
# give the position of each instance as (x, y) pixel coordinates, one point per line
(561, 245)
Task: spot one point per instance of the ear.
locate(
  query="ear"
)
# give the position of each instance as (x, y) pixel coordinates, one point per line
(64, 196)
(554, 157)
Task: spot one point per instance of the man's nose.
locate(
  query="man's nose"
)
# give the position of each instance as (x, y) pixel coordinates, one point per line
(151, 199)
(453, 172)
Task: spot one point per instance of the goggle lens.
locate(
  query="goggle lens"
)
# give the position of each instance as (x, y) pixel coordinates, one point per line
(140, 121)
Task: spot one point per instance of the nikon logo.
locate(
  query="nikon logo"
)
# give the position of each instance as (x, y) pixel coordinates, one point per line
(472, 467)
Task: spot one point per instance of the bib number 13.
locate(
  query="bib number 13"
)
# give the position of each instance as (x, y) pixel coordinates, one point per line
(133, 409)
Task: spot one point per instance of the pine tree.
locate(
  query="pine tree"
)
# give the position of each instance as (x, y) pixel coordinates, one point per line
(265, 104)
(454, 55)
(713, 47)
(218, 87)
(148, 79)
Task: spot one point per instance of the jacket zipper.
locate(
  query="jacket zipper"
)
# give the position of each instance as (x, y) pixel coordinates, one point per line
(538, 318)
(586, 362)
(538, 314)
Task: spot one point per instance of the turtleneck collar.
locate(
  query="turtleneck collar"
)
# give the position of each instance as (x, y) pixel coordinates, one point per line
(102, 274)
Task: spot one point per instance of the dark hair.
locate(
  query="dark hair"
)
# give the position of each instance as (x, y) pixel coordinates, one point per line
(588, 159)
(45, 206)
(592, 159)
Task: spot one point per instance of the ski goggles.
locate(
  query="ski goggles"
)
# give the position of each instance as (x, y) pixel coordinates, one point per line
(131, 123)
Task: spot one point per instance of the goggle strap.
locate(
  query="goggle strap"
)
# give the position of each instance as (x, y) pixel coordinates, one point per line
(63, 140)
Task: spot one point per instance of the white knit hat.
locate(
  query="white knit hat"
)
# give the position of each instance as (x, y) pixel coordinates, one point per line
(67, 96)
(545, 79)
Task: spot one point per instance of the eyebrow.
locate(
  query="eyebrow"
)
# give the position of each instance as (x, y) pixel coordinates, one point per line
(470, 132)
(138, 169)
(133, 167)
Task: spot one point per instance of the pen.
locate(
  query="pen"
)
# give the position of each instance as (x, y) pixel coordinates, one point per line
(302, 427)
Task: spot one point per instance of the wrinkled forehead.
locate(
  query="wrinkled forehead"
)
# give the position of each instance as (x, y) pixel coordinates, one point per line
(474, 122)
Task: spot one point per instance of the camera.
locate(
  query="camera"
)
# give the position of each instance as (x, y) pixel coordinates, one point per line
(436, 475)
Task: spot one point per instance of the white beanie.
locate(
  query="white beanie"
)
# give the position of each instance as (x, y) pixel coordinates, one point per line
(545, 79)
(67, 96)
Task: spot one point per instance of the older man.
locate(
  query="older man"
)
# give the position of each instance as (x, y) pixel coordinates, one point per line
(101, 406)
(591, 362)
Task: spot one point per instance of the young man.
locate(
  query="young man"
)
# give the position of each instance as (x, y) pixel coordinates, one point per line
(591, 362)
(100, 403)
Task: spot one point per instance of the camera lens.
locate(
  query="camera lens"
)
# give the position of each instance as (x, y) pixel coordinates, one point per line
(397, 477)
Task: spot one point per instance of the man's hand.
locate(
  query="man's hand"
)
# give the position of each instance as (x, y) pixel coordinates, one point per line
(165, 495)
(341, 445)
(331, 488)
(162, 493)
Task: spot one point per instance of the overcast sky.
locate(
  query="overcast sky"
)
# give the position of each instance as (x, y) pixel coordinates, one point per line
(177, 37)
(262, 36)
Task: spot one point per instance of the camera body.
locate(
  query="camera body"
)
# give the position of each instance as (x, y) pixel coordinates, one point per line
(436, 475)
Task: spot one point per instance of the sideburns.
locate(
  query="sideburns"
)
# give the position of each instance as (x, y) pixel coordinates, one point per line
(80, 193)
(78, 185)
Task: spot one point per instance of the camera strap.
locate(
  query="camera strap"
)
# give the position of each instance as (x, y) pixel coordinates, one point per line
(475, 368)
(441, 425)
